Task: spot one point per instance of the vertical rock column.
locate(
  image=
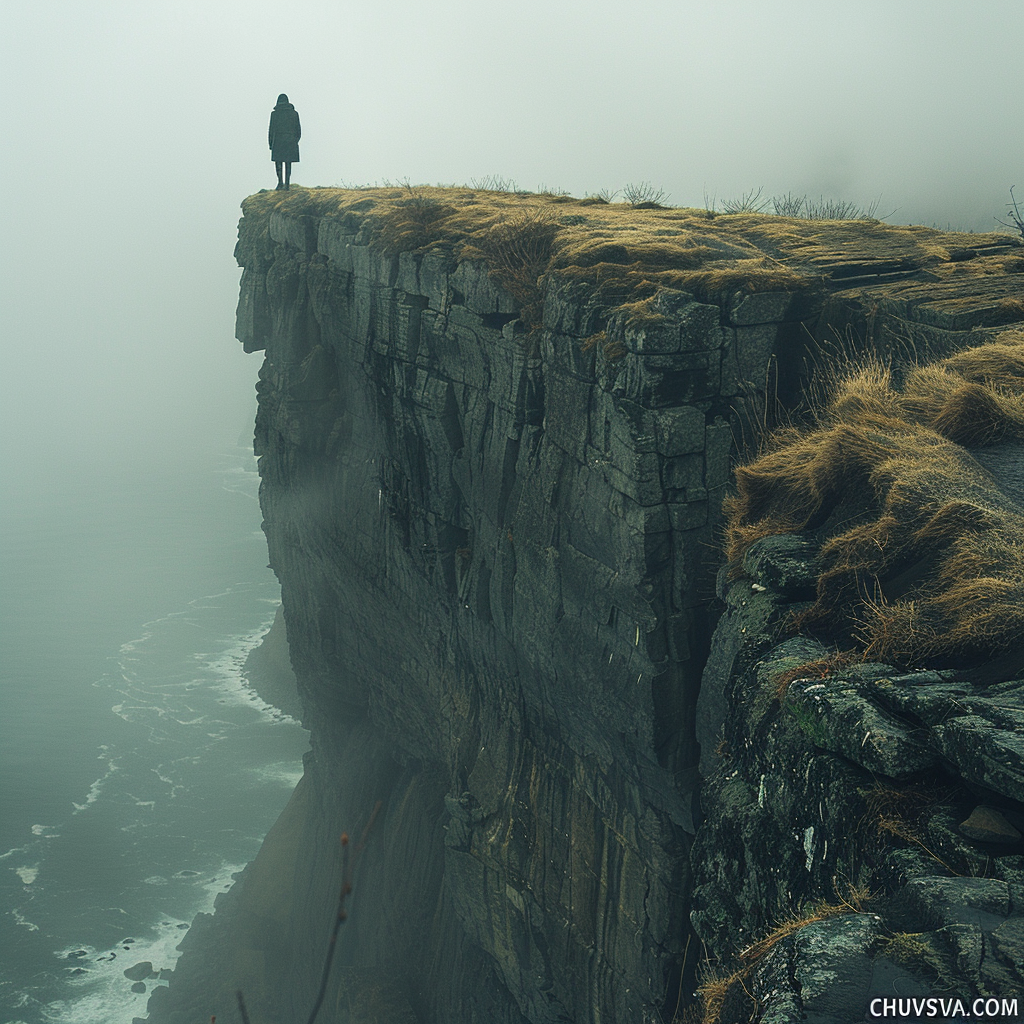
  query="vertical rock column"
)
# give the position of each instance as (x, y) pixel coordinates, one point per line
(493, 567)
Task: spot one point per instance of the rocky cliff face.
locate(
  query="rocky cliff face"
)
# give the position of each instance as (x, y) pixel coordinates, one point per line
(863, 832)
(497, 550)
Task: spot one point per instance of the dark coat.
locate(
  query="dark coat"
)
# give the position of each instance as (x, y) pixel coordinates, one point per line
(284, 134)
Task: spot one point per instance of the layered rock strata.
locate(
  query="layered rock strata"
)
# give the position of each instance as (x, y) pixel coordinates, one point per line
(496, 553)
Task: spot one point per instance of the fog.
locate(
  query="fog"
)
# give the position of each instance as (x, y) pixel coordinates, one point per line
(132, 131)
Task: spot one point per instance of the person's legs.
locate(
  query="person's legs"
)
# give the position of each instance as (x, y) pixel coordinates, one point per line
(277, 167)
(287, 175)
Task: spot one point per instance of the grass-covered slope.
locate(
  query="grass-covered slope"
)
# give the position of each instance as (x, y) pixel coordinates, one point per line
(921, 550)
(627, 253)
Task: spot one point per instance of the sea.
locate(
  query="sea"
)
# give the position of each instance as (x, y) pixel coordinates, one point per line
(139, 771)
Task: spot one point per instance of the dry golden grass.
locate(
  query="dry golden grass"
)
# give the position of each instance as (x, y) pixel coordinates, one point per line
(984, 266)
(413, 224)
(715, 986)
(518, 251)
(915, 951)
(999, 364)
(591, 232)
(1012, 308)
(821, 668)
(974, 398)
(624, 253)
(714, 990)
(937, 569)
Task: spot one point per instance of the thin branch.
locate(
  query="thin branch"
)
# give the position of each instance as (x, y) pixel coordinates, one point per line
(241, 1007)
(347, 864)
(1015, 215)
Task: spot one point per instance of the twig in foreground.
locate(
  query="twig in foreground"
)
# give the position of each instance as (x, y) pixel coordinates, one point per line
(346, 888)
(241, 1007)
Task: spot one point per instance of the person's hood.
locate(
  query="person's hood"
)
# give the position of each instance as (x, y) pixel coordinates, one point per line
(284, 106)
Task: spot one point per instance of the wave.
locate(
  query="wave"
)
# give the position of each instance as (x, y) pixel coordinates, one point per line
(193, 770)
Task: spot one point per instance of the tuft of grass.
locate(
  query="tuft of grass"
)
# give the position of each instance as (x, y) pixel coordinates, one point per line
(412, 224)
(1012, 308)
(518, 250)
(611, 348)
(966, 406)
(935, 567)
(719, 987)
(819, 910)
(716, 987)
(915, 951)
(494, 183)
(884, 802)
(896, 825)
(821, 668)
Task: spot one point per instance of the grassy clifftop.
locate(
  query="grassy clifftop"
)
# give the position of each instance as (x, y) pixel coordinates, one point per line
(628, 253)
(590, 231)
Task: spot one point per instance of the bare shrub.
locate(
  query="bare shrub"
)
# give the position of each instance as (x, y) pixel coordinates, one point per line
(788, 205)
(1016, 218)
(749, 202)
(833, 209)
(517, 249)
(644, 195)
(493, 183)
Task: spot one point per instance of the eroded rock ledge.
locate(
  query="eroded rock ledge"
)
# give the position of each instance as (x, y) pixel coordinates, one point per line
(864, 835)
(495, 532)
(883, 806)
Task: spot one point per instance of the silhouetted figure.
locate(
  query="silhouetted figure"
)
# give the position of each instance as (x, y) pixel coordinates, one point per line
(284, 135)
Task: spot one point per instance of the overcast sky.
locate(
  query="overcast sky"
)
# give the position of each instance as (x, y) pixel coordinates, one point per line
(133, 129)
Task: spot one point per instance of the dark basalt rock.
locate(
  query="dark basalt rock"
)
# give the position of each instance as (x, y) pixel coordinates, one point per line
(857, 777)
(497, 553)
(785, 564)
(987, 825)
(140, 971)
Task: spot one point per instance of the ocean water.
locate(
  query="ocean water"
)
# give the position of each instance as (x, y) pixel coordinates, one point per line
(138, 772)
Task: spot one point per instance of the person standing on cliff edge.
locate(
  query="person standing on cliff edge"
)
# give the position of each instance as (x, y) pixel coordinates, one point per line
(284, 135)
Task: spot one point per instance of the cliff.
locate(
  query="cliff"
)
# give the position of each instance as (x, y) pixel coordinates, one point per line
(495, 433)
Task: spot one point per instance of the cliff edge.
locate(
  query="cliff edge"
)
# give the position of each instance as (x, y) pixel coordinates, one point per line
(495, 433)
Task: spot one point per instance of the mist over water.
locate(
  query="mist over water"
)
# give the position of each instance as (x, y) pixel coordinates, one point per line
(139, 771)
